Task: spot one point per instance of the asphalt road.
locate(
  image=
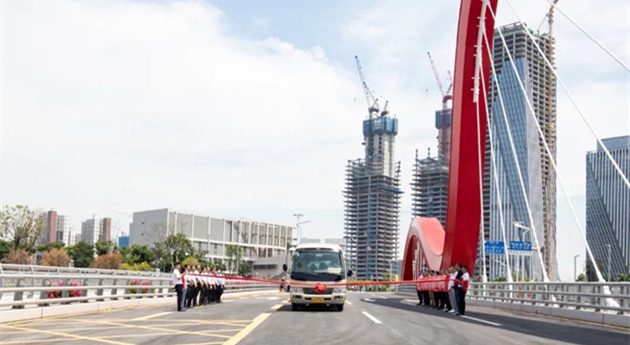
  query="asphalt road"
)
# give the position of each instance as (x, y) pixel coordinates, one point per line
(268, 319)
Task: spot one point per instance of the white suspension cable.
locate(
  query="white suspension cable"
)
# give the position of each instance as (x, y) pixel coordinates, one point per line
(479, 163)
(553, 163)
(518, 166)
(564, 87)
(555, 6)
(496, 183)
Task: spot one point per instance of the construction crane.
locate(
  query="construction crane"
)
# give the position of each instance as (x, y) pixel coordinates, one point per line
(372, 102)
(445, 98)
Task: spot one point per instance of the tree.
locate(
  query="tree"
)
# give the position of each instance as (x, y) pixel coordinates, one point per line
(108, 261)
(21, 226)
(178, 246)
(5, 248)
(82, 254)
(48, 246)
(55, 257)
(143, 266)
(19, 257)
(591, 275)
(136, 254)
(105, 247)
(233, 253)
(581, 277)
(244, 269)
(190, 261)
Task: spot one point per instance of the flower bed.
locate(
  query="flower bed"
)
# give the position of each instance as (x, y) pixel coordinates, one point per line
(143, 290)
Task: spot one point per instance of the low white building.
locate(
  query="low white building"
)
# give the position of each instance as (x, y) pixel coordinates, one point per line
(256, 239)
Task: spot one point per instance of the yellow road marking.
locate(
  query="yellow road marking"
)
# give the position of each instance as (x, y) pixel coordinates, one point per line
(77, 337)
(37, 341)
(247, 330)
(277, 306)
(172, 331)
(152, 316)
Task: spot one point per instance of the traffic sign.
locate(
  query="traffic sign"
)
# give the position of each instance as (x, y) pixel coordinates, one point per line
(494, 247)
(520, 246)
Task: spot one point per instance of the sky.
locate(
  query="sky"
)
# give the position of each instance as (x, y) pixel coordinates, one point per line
(251, 109)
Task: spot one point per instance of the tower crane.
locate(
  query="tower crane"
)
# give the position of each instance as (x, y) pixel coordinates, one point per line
(372, 102)
(445, 98)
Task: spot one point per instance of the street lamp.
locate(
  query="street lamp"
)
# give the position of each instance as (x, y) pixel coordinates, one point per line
(297, 225)
(608, 263)
(575, 267)
(526, 230)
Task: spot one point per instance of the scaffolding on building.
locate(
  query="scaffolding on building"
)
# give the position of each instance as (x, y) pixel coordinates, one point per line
(429, 188)
(372, 201)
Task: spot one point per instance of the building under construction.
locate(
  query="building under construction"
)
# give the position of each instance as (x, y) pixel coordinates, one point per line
(429, 186)
(372, 198)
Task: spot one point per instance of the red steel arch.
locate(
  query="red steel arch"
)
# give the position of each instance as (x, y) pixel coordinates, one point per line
(468, 142)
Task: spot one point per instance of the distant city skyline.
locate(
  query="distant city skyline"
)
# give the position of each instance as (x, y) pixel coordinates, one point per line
(229, 146)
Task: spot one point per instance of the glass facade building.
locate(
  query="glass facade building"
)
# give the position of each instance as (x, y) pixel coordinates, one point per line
(608, 205)
(536, 185)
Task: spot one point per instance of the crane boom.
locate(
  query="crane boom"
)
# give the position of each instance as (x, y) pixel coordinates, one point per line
(372, 102)
(436, 75)
(445, 98)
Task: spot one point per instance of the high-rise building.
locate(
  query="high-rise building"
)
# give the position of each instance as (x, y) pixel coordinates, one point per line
(91, 229)
(372, 200)
(56, 228)
(538, 177)
(429, 186)
(106, 229)
(608, 205)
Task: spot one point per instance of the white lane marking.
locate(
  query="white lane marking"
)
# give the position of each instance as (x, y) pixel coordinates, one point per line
(368, 300)
(375, 320)
(350, 303)
(480, 320)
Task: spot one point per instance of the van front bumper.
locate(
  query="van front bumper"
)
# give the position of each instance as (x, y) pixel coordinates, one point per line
(301, 298)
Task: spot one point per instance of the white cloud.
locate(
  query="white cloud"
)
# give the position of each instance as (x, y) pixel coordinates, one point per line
(132, 105)
(263, 23)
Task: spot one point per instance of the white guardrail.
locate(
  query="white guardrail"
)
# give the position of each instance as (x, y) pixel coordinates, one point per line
(575, 296)
(24, 286)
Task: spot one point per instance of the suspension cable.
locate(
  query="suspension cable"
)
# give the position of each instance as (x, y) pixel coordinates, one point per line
(554, 165)
(496, 182)
(564, 87)
(555, 6)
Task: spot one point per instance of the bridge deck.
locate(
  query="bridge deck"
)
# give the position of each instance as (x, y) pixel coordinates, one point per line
(268, 319)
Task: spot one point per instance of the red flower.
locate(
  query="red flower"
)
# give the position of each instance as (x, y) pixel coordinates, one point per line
(320, 288)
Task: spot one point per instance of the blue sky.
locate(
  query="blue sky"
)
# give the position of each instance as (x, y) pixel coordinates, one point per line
(252, 109)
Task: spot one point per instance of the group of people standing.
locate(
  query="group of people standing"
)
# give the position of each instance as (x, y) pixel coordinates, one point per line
(453, 298)
(196, 286)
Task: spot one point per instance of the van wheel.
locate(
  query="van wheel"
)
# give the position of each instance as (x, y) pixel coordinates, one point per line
(340, 307)
(294, 306)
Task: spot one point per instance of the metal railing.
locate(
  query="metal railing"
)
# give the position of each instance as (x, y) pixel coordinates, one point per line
(26, 286)
(586, 296)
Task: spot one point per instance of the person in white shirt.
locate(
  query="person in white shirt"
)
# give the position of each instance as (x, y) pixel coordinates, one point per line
(451, 289)
(179, 287)
(221, 285)
(462, 282)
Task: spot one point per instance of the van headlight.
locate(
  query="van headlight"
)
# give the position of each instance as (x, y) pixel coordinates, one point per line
(339, 290)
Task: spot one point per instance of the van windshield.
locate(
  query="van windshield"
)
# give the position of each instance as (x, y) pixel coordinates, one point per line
(317, 264)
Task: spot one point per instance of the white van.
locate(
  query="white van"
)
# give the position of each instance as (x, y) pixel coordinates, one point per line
(317, 263)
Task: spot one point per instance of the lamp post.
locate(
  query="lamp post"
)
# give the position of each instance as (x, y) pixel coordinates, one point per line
(608, 263)
(575, 267)
(525, 230)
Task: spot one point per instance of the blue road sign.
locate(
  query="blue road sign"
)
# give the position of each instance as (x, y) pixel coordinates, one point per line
(494, 247)
(521, 246)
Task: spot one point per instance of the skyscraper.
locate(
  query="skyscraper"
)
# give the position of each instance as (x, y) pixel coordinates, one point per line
(96, 229)
(372, 200)
(608, 205)
(56, 228)
(429, 186)
(538, 177)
